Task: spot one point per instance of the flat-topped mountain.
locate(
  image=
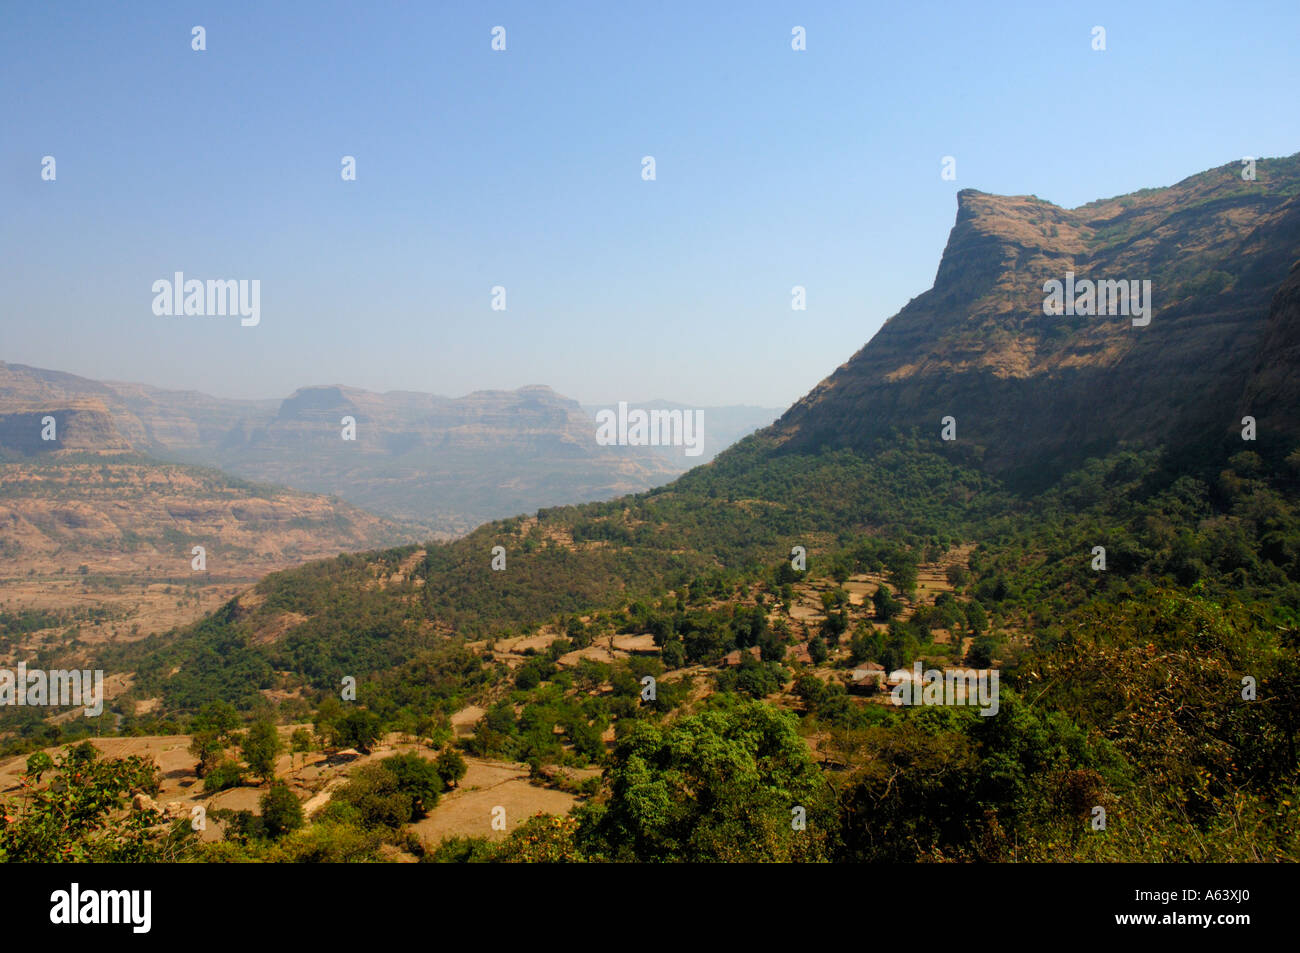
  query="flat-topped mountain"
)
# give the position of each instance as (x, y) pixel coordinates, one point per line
(441, 464)
(1033, 392)
(60, 425)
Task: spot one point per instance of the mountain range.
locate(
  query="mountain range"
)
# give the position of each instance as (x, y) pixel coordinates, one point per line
(439, 465)
(1104, 511)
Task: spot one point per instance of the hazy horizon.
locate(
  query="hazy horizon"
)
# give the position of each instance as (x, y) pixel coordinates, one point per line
(479, 168)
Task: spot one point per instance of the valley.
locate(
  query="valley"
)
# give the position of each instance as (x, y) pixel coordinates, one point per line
(702, 670)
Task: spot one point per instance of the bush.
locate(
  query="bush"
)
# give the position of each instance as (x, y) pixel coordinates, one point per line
(281, 812)
(82, 815)
(461, 850)
(543, 838)
(83, 754)
(419, 779)
(228, 774)
(260, 746)
(39, 763)
(357, 728)
(374, 795)
(327, 843)
(451, 767)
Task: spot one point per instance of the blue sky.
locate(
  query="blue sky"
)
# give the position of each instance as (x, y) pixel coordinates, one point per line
(522, 168)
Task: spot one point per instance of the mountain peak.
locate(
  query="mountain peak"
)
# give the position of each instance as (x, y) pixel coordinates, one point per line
(1215, 250)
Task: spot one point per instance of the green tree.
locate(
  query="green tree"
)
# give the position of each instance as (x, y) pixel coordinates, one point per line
(811, 690)
(372, 798)
(357, 728)
(260, 747)
(300, 741)
(451, 767)
(673, 654)
(901, 564)
(886, 606)
(206, 745)
(722, 785)
(281, 812)
(418, 778)
(981, 652)
(218, 717)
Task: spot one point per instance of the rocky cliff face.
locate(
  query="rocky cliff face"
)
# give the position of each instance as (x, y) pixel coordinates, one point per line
(59, 425)
(120, 514)
(1272, 393)
(1034, 393)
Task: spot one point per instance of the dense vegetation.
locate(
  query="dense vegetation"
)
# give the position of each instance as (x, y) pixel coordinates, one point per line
(1162, 689)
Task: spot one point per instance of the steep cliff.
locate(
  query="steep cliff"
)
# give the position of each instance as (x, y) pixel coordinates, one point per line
(1034, 393)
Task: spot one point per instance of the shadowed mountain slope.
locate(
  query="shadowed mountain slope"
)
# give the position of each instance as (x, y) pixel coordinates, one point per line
(1035, 394)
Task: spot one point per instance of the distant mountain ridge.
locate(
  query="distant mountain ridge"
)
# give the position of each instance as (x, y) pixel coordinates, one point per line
(78, 424)
(441, 464)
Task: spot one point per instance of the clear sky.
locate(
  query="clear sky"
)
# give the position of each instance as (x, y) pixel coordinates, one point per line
(523, 169)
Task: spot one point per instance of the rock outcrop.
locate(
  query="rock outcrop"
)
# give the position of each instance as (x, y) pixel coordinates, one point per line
(1033, 394)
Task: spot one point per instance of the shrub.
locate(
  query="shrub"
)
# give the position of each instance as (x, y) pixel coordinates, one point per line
(260, 746)
(281, 812)
(327, 843)
(227, 774)
(374, 794)
(39, 763)
(419, 779)
(451, 767)
(357, 728)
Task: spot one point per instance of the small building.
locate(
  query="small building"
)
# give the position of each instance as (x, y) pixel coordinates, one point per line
(873, 671)
(799, 653)
(868, 678)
